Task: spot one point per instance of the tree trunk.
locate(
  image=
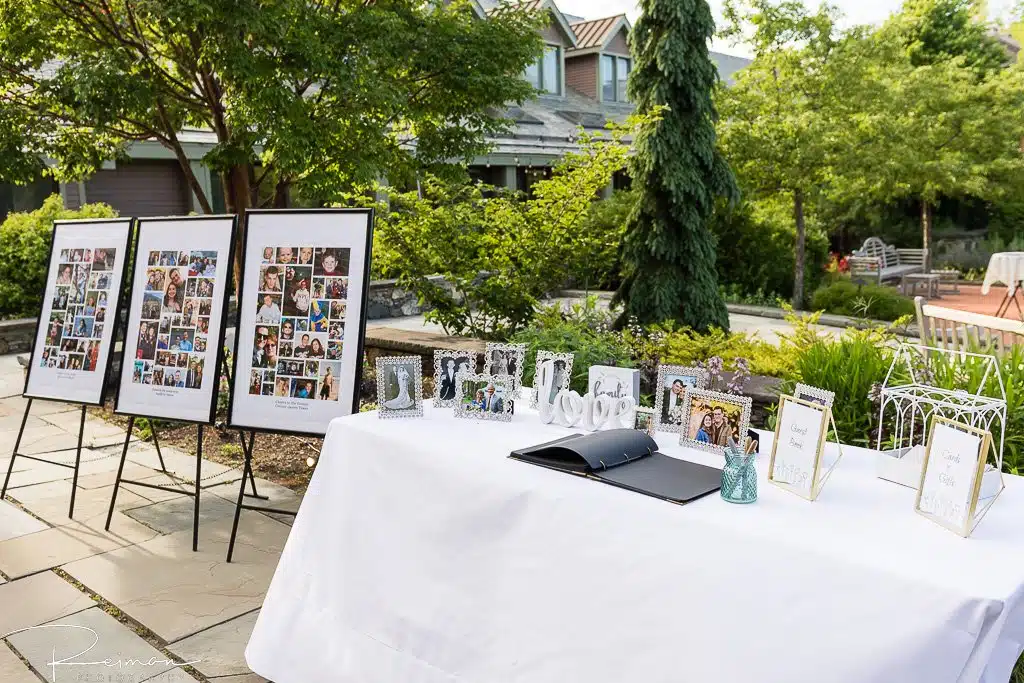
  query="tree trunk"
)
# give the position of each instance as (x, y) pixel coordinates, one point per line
(282, 194)
(801, 245)
(238, 197)
(926, 232)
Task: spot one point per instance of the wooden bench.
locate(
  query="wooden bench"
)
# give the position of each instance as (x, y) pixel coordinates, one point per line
(878, 261)
(948, 328)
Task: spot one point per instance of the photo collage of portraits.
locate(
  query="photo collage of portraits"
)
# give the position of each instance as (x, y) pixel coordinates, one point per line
(300, 322)
(79, 309)
(174, 325)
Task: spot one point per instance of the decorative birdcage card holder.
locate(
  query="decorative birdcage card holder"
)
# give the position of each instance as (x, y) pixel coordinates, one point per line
(909, 398)
(800, 463)
(958, 482)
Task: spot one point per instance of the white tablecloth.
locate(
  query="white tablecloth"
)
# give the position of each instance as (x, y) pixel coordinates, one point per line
(422, 554)
(1006, 268)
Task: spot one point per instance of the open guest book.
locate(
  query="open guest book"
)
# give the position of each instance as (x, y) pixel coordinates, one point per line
(626, 458)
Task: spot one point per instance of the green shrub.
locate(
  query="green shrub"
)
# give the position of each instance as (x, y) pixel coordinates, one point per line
(24, 245)
(686, 347)
(582, 330)
(755, 247)
(597, 264)
(844, 297)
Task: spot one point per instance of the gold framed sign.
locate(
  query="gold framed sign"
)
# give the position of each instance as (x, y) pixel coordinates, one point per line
(953, 491)
(799, 462)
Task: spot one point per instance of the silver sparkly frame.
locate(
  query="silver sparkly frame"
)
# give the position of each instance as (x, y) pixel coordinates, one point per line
(649, 412)
(805, 392)
(440, 355)
(659, 397)
(384, 365)
(743, 402)
(520, 355)
(542, 356)
(464, 378)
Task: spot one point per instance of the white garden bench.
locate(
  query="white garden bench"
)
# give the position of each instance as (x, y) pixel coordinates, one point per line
(878, 261)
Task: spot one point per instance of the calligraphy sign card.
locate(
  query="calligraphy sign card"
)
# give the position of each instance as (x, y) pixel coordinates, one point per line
(797, 460)
(952, 473)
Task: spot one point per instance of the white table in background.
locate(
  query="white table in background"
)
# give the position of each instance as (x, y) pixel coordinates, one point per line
(422, 554)
(1006, 268)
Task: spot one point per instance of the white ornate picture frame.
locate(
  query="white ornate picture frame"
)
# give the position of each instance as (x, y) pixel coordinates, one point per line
(477, 402)
(514, 359)
(690, 377)
(805, 392)
(446, 387)
(736, 412)
(399, 386)
(566, 377)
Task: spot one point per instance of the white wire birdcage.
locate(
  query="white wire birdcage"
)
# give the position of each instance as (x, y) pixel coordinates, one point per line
(907, 407)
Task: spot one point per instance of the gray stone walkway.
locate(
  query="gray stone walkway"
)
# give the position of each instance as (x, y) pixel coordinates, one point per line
(138, 590)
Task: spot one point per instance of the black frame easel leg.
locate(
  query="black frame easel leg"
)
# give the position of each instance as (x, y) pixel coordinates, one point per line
(156, 443)
(14, 453)
(78, 462)
(252, 476)
(248, 449)
(199, 477)
(120, 471)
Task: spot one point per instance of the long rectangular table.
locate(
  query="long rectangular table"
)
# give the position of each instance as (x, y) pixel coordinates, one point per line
(422, 554)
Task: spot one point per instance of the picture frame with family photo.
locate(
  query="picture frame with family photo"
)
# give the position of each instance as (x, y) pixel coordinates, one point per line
(173, 353)
(448, 363)
(713, 421)
(301, 320)
(399, 387)
(563, 375)
(672, 383)
(505, 359)
(486, 397)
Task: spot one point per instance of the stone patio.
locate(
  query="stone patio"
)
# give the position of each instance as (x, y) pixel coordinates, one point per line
(138, 591)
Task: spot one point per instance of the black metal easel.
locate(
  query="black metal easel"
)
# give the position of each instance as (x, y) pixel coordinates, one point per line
(247, 449)
(197, 485)
(1011, 296)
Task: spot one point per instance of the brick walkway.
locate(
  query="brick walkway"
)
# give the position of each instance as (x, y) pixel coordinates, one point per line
(971, 299)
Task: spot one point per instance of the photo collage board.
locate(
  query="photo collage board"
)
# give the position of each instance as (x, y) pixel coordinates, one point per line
(79, 316)
(175, 319)
(300, 319)
(299, 331)
(79, 308)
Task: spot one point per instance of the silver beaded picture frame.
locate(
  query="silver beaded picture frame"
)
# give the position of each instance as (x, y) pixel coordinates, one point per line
(805, 392)
(665, 409)
(448, 363)
(399, 387)
(505, 359)
(485, 397)
(566, 359)
(701, 410)
(643, 421)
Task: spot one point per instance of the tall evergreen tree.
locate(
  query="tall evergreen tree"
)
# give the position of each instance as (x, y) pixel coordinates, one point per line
(669, 252)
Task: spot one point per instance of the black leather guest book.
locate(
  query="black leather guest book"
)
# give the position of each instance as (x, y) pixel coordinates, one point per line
(626, 458)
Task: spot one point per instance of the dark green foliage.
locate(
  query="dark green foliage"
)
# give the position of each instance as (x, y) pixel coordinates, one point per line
(844, 297)
(756, 251)
(600, 266)
(669, 252)
(24, 245)
(938, 30)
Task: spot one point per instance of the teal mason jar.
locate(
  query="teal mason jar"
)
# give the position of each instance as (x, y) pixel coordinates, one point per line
(739, 478)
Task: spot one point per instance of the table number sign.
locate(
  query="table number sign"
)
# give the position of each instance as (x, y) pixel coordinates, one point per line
(798, 451)
(952, 475)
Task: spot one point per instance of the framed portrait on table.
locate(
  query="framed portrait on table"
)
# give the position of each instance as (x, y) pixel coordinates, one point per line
(711, 421)
(73, 344)
(174, 345)
(448, 363)
(673, 381)
(400, 387)
(506, 360)
(486, 397)
(561, 365)
(301, 319)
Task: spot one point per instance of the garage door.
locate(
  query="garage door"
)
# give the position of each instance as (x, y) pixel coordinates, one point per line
(141, 188)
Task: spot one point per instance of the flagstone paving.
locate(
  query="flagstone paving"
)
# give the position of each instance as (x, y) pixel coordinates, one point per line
(139, 584)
